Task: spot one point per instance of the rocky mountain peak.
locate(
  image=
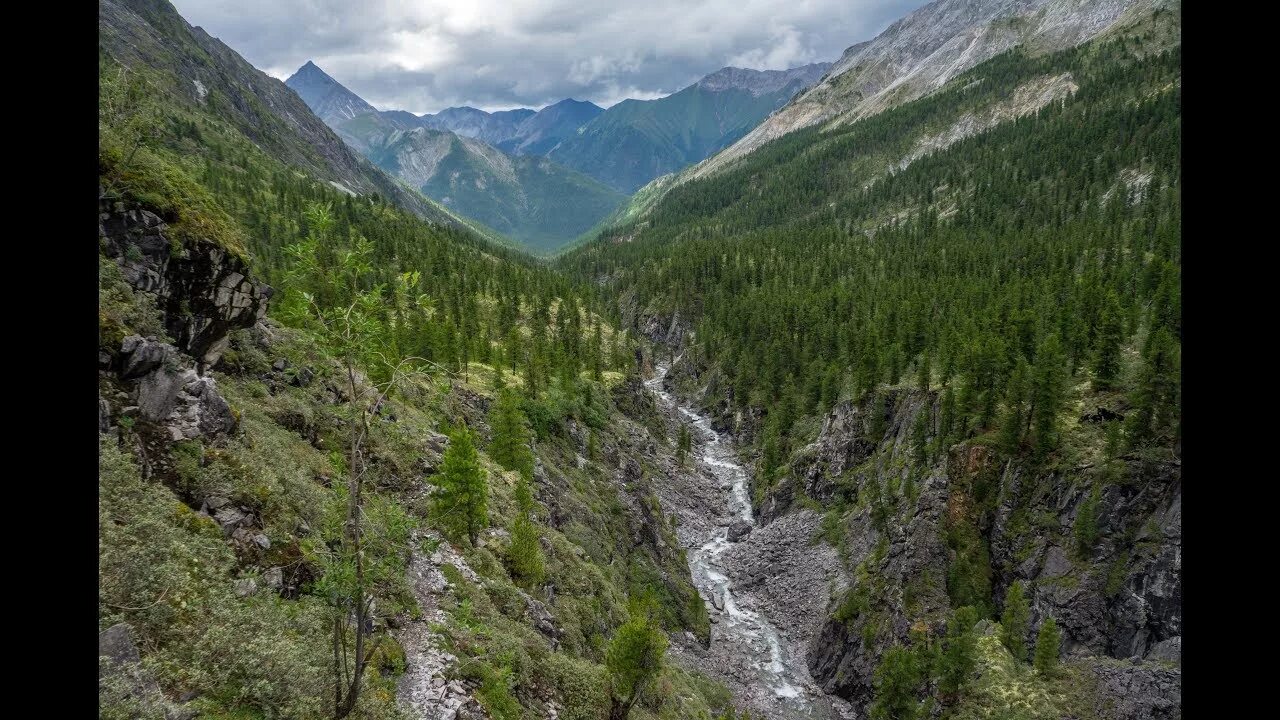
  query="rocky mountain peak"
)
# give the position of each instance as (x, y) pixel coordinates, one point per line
(763, 82)
(327, 97)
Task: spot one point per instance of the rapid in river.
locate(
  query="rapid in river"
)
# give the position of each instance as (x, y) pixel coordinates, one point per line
(740, 635)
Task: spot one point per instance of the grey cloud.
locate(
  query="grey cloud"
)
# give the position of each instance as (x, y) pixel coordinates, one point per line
(497, 54)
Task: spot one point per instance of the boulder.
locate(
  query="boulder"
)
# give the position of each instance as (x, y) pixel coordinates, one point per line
(231, 519)
(543, 621)
(1137, 692)
(738, 530)
(471, 710)
(117, 644)
(1169, 651)
(140, 356)
(274, 578)
(123, 683)
(303, 377)
(171, 393)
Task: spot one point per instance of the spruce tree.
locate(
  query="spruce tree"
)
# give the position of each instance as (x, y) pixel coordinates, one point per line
(1156, 399)
(946, 418)
(896, 681)
(1015, 409)
(920, 434)
(1048, 391)
(924, 372)
(683, 445)
(1086, 525)
(461, 501)
(1048, 643)
(1015, 621)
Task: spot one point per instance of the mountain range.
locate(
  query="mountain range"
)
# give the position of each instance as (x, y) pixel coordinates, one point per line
(636, 141)
(482, 166)
(873, 413)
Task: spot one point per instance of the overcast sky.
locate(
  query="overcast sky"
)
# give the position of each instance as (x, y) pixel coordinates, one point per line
(426, 55)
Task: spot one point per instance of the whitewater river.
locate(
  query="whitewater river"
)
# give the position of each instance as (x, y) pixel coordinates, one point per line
(746, 648)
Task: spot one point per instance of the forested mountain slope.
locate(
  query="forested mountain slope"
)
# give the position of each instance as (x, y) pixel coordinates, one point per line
(352, 463)
(358, 463)
(635, 141)
(525, 197)
(913, 57)
(954, 328)
(199, 72)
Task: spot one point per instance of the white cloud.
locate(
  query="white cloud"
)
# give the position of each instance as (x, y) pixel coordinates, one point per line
(424, 56)
(786, 49)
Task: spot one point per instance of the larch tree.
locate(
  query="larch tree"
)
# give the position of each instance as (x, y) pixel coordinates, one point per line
(461, 502)
(633, 659)
(1015, 621)
(1048, 646)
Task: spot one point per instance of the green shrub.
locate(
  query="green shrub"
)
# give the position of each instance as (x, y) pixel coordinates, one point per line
(581, 686)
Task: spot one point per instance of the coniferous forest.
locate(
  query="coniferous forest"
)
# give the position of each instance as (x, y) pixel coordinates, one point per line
(880, 417)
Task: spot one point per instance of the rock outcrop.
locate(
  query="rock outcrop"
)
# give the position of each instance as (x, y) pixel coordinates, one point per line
(910, 529)
(1137, 690)
(203, 290)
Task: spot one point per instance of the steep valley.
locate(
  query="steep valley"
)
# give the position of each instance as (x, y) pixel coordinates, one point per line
(875, 413)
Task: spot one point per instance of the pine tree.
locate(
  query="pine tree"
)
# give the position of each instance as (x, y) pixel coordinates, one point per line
(512, 438)
(461, 501)
(1048, 643)
(1015, 622)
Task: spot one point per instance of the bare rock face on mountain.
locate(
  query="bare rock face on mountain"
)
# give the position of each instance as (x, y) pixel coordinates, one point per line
(325, 96)
(202, 288)
(921, 52)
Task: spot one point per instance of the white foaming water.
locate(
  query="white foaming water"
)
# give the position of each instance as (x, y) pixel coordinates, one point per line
(741, 626)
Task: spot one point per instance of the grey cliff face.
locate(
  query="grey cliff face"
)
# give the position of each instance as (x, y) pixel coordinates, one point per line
(203, 293)
(202, 289)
